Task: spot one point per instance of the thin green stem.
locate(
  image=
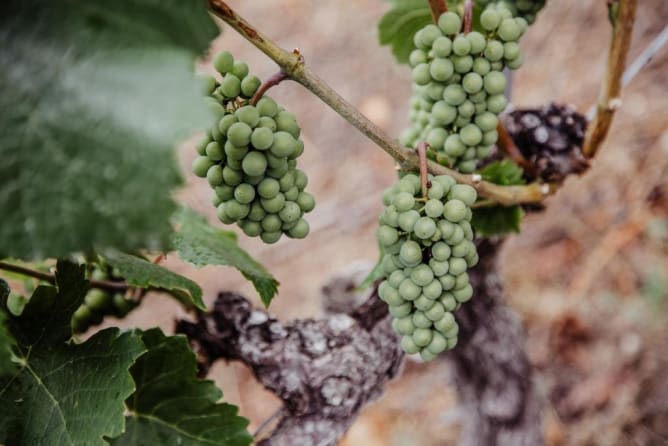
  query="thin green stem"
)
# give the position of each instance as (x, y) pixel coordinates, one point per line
(50, 278)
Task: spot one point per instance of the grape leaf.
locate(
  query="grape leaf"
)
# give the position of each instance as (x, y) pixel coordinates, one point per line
(398, 26)
(6, 339)
(94, 95)
(200, 244)
(499, 220)
(142, 273)
(171, 406)
(64, 393)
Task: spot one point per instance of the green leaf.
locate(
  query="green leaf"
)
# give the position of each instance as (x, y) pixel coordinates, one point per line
(142, 273)
(201, 245)
(6, 339)
(505, 173)
(398, 26)
(171, 406)
(499, 220)
(496, 220)
(64, 393)
(94, 96)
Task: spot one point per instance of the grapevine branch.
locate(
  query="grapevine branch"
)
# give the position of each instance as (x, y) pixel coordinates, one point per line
(294, 66)
(611, 87)
(50, 278)
(424, 179)
(437, 8)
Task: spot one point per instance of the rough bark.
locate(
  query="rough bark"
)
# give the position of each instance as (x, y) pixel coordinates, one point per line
(492, 371)
(324, 370)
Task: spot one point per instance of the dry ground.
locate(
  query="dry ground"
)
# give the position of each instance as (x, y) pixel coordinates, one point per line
(588, 276)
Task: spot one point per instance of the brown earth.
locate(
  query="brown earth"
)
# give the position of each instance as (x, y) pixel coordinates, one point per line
(588, 276)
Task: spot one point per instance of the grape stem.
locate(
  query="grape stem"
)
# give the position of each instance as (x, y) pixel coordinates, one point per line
(424, 174)
(611, 87)
(468, 17)
(272, 81)
(295, 67)
(437, 8)
(50, 278)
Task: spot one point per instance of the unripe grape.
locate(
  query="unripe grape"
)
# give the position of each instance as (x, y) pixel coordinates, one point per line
(457, 236)
(435, 192)
(495, 82)
(441, 251)
(494, 51)
(447, 228)
(283, 145)
(223, 62)
(387, 235)
(256, 212)
(409, 290)
(477, 42)
(463, 64)
(201, 165)
(417, 57)
(410, 253)
(222, 215)
(262, 138)
(490, 20)
(423, 303)
(287, 181)
(436, 312)
(464, 294)
(305, 201)
(490, 137)
(271, 237)
(461, 280)
(457, 266)
(395, 278)
(446, 181)
(426, 355)
(301, 180)
(439, 268)
(249, 85)
(420, 320)
(511, 50)
(401, 310)
(483, 152)
(429, 34)
(487, 121)
(300, 230)
(461, 249)
(424, 228)
(436, 138)
(268, 188)
(437, 345)
(248, 114)
(441, 69)
(273, 205)
(454, 211)
(449, 23)
(454, 94)
(433, 289)
(239, 134)
(422, 275)
(390, 295)
(403, 201)
(443, 113)
(234, 153)
(448, 301)
(244, 193)
(251, 228)
(287, 122)
(442, 47)
(434, 207)
(236, 210)
(454, 146)
(461, 46)
(481, 66)
(230, 86)
(445, 323)
(515, 63)
(464, 193)
(254, 164)
(434, 90)
(224, 192)
(447, 281)
(466, 110)
(214, 175)
(271, 223)
(422, 337)
(496, 104)
(421, 74)
(240, 69)
(404, 325)
(408, 345)
(509, 30)
(472, 83)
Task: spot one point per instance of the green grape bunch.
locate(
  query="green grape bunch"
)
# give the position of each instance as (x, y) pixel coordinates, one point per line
(428, 247)
(459, 86)
(100, 303)
(527, 9)
(249, 158)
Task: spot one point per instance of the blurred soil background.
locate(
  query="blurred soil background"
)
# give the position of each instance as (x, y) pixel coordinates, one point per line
(588, 277)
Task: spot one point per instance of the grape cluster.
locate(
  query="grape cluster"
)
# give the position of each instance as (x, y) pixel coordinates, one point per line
(249, 158)
(99, 303)
(527, 9)
(428, 246)
(458, 86)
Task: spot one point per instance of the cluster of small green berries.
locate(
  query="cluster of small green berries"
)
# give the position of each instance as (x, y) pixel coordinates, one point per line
(428, 246)
(100, 303)
(459, 86)
(527, 9)
(249, 157)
